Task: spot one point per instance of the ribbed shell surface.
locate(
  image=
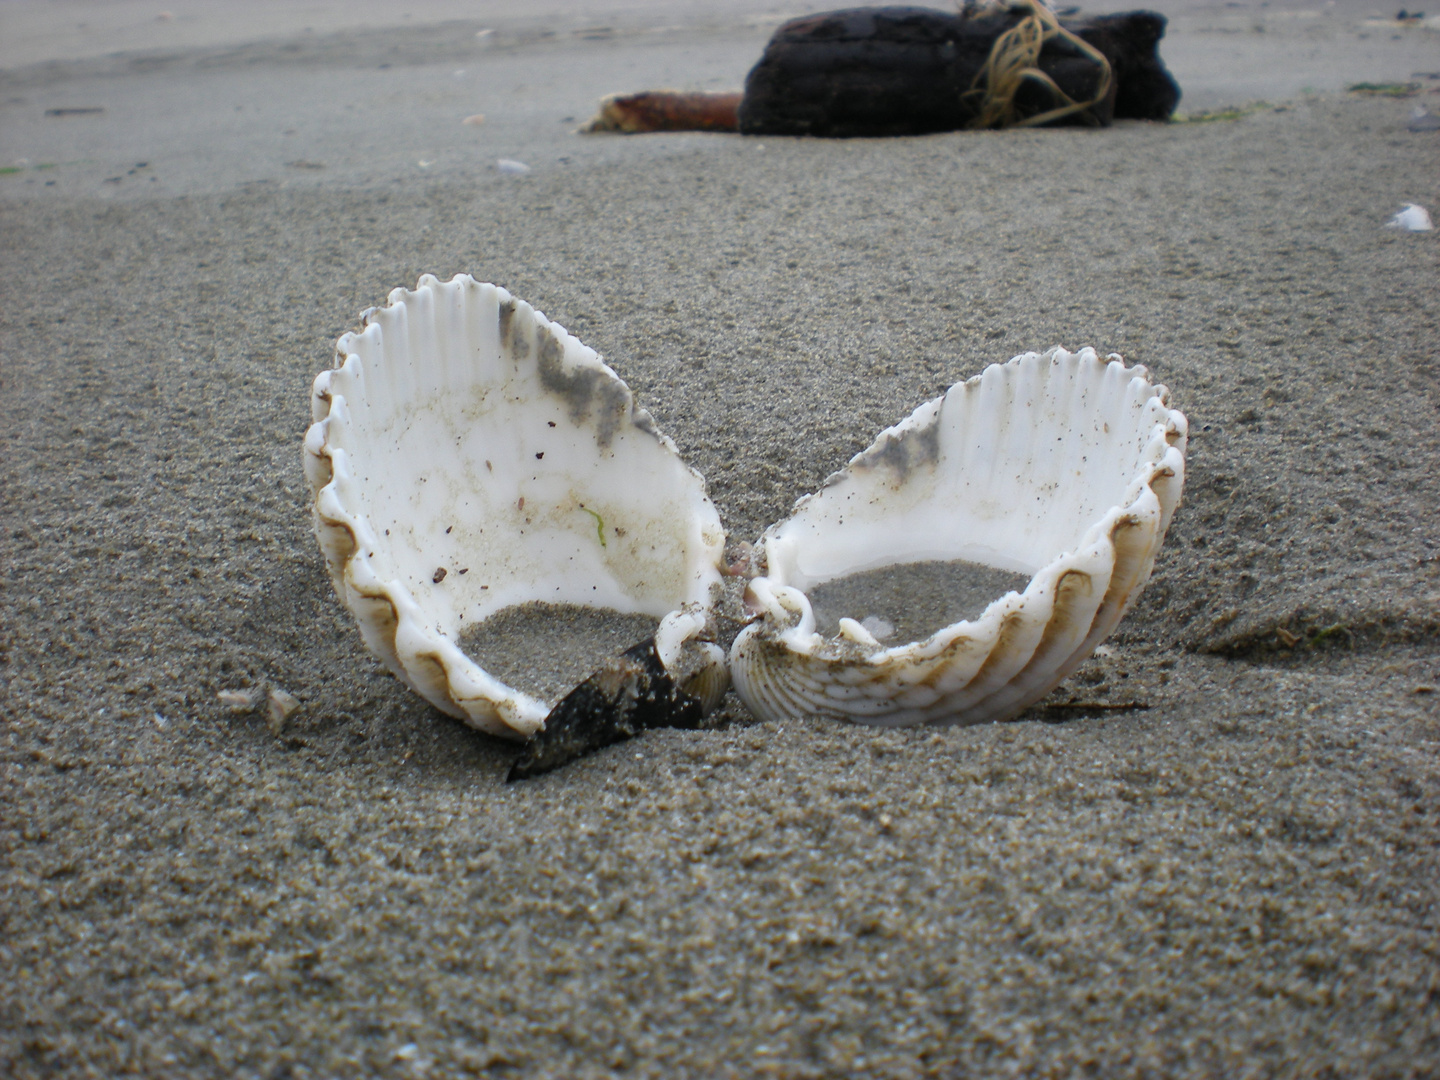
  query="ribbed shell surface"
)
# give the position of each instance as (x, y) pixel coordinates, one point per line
(1063, 466)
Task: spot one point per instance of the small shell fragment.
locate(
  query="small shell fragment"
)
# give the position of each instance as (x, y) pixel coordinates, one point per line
(1064, 468)
(280, 705)
(238, 701)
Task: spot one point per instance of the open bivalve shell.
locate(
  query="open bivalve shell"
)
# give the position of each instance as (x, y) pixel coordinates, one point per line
(1063, 468)
(468, 456)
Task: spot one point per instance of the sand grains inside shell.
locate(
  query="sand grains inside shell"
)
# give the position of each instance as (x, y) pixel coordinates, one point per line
(546, 650)
(909, 602)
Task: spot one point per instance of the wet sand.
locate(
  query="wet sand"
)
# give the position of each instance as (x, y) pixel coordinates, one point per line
(1212, 853)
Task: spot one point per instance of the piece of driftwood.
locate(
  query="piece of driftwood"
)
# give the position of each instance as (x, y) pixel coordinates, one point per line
(668, 110)
(911, 71)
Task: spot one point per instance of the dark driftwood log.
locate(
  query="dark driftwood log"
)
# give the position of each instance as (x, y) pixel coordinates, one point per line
(909, 71)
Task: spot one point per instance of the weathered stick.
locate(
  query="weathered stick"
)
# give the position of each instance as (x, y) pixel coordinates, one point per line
(668, 110)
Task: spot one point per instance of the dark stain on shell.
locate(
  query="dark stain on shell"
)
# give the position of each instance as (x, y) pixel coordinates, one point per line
(910, 450)
(584, 390)
(631, 694)
(507, 328)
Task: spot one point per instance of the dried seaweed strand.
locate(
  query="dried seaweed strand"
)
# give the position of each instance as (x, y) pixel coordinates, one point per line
(1015, 57)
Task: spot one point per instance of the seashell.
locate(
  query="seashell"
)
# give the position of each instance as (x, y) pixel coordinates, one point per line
(280, 705)
(1061, 468)
(467, 456)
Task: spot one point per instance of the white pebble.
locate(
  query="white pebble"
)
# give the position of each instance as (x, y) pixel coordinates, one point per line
(1414, 218)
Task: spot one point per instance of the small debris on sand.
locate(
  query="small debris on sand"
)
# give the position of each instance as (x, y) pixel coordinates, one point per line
(282, 706)
(239, 701)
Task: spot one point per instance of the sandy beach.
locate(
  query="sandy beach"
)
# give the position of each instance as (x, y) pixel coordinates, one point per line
(1215, 851)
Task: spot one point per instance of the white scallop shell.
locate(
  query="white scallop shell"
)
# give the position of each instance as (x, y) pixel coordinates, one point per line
(462, 430)
(1064, 466)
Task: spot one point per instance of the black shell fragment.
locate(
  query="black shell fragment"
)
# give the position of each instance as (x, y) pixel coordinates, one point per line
(629, 695)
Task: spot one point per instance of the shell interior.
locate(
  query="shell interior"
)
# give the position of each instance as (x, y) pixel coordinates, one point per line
(467, 456)
(1064, 468)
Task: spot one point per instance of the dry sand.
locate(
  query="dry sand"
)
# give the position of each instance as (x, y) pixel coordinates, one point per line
(1215, 853)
